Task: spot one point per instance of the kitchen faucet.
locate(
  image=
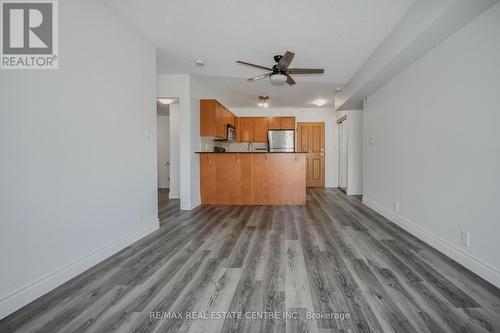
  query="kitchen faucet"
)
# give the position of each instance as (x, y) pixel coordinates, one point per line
(250, 146)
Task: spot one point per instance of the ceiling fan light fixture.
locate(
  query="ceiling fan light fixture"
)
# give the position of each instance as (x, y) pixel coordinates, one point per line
(280, 73)
(263, 102)
(278, 79)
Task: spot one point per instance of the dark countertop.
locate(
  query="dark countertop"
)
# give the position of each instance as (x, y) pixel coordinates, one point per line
(249, 152)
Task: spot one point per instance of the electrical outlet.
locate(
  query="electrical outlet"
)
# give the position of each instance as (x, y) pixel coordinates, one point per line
(396, 206)
(465, 238)
(372, 140)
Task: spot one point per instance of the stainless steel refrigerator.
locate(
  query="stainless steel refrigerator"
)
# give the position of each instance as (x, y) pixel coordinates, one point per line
(281, 140)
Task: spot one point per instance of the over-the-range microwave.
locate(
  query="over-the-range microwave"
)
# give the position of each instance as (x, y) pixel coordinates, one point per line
(230, 134)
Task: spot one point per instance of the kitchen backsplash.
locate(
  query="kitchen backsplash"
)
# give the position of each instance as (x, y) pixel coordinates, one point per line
(208, 144)
(244, 146)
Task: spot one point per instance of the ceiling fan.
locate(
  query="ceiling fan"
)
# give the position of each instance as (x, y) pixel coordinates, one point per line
(280, 73)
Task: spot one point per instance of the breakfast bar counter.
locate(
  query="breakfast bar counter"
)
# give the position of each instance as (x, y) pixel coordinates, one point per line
(252, 178)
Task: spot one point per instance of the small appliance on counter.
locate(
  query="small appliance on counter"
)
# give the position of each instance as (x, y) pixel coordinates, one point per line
(219, 150)
(281, 141)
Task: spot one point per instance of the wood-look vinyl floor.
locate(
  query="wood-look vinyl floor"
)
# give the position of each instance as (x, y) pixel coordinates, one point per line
(334, 256)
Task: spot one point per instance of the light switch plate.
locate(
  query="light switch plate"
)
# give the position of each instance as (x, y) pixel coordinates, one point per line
(465, 238)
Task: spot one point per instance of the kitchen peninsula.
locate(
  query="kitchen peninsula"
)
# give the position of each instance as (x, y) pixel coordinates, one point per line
(252, 178)
(245, 176)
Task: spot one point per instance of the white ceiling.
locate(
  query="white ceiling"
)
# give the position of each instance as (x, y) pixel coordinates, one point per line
(238, 93)
(338, 35)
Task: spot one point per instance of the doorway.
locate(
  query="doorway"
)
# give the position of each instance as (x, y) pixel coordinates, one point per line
(168, 143)
(163, 144)
(311, 140)
(343, 158)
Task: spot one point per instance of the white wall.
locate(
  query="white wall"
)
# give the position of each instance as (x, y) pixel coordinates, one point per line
(179, 85)
(163, 130)
(175, 172)
(198, 91)
(326, 115)
(78, 175)
(437, 146)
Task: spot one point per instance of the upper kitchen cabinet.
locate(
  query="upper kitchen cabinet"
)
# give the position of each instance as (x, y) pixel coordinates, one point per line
(214, 118)
(281, 122)
(246, 129)
(260, 126)
(287, 123)
(237, 127)
(274, 123)
(252, 129)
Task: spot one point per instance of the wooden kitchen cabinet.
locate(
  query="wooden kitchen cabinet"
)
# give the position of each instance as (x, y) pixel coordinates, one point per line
(247, 129)
(287, 123)
(263, 179)
(214, 118)
(260, 129)
(208, 179)
(274, 123)
(220, 121)
(233, 179)
(237, 127)
(281, 122)
(269, 184)
(207, 117)
(252, 179)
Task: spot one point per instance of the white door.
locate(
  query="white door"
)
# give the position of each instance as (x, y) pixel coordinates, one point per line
(343, 154)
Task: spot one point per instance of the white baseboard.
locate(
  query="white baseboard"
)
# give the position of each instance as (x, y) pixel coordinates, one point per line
(484, 270)
(174, 195)
(354, 191)
(32, 291)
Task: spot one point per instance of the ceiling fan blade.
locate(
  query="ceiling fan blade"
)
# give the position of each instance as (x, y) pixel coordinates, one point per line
(305, 71)
(290, 80)
(253, 65)
(286, 60)
(259, 77)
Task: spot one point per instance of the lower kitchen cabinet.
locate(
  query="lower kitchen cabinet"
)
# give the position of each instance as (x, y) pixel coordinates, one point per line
(208, 179)
(252, 179)
(233, 179)
(278, 179)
